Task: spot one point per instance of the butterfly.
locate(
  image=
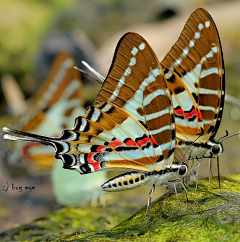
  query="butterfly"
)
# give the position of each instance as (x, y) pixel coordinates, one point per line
(155, 96)
(110, 137)
(196, 62)
(52, 109)
(194, 73)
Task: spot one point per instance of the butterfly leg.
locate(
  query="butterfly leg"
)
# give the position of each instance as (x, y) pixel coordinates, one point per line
(219, 181)
(148, 210)
(210, 169)
(99, 199)
(185, 186)
(175, 189)
(197, 173)
(186, 192)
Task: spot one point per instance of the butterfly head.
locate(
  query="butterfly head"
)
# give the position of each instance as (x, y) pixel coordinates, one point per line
(217, 149)
(182, 169)
(212, 150)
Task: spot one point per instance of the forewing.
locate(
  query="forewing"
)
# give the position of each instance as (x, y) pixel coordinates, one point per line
(197, 59)
(188, 118)
(135, 82)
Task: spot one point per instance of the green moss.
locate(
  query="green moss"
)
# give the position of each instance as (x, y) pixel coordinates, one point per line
(211, 214)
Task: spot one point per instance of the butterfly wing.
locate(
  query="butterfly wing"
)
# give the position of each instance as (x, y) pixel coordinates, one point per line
(121, 131)
(197, 59)
(59, 96)
(53, 108)
(106, 137)
(135, 82)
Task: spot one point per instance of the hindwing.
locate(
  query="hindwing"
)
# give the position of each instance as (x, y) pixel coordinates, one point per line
(107, 137)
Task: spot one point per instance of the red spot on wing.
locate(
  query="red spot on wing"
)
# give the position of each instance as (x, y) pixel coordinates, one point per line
(199, 116)
(189, 115)
(100, 148)
(179, 111)
(153, 141)
(89, 158)
(192, 113)
(131, 143)
(96, 166)
(115, 143)
(143, 141)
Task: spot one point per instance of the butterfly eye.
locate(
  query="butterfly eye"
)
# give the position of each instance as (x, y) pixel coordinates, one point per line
(182, 170)
(215, 149)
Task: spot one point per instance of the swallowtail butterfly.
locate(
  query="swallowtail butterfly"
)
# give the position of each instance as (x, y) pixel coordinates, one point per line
(130, 137)
(194, 73)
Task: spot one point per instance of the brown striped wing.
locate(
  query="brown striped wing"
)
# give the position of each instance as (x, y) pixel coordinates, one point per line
(52, 109)
(107, 137)
(197, 59)
(62, 87)
(135, 82)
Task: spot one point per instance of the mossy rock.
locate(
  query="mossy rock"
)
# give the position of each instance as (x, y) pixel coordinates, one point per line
(211, 214)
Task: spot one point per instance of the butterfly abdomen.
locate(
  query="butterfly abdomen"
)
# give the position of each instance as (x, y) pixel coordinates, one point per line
(125, 181)
(135, 179)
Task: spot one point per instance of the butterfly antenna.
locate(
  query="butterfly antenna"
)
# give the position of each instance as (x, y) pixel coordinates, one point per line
(227, 136)
(97, 74)
(85, 73)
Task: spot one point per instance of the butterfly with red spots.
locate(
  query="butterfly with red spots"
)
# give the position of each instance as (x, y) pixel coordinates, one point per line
(145, 108)
(110, 137)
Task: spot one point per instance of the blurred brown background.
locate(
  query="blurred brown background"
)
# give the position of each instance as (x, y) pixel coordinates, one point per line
(32, 32)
